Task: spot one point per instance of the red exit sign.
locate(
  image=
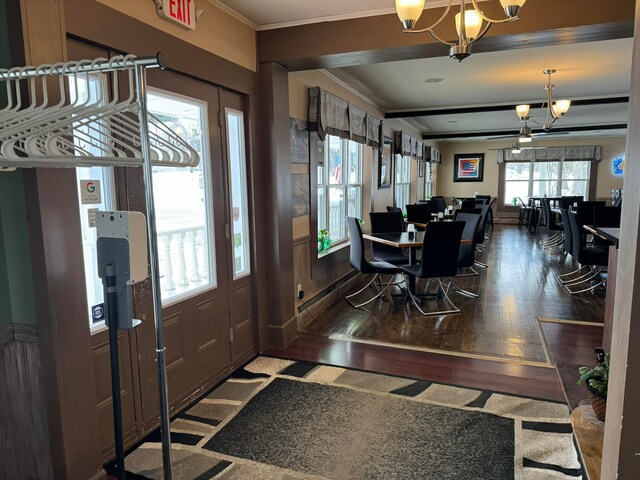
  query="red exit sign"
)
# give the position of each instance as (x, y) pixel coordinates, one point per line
(182, 12)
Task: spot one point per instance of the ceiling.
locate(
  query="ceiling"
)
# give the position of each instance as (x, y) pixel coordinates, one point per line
(584, 71)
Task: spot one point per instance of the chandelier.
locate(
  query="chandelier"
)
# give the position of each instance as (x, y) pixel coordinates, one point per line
(471, 24)
(554, 110)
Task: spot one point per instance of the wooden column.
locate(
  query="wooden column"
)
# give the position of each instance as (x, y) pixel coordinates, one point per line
(621, 454)
(279, 235)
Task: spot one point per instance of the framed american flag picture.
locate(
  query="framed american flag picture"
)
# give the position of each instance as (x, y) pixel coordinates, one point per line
(468, 167)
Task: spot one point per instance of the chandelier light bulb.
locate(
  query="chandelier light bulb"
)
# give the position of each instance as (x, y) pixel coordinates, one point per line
(523, 111)
(511, 7)
(472, 24)
(409, 12)
(561, 107)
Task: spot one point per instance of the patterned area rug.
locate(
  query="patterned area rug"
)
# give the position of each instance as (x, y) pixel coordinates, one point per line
(280, 419)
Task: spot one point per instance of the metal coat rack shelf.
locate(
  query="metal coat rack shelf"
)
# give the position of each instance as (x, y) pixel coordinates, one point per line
(112, 132)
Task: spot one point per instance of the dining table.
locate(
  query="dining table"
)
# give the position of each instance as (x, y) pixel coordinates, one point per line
(403, 240)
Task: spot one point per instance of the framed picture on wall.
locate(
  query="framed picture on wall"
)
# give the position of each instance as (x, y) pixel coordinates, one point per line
(385, 165)
(468, 167)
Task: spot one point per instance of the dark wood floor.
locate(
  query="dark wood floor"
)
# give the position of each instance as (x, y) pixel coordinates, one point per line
(518, 286)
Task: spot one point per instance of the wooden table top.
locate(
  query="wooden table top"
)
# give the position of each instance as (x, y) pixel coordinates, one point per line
(608, 233)
(400, 240)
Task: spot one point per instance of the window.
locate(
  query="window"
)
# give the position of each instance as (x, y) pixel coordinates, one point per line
(93, 283)
(553, 179)
(239, 202)
(403, 179)
(339, 186)
(428, 187)
(183, 201)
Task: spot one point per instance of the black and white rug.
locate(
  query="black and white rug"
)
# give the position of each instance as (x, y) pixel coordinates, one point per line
(280, 419)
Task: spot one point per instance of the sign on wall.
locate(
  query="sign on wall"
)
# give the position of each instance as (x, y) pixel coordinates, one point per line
(181, 12)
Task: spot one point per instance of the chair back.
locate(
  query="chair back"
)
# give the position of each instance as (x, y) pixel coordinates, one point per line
(585, 212)
(385, 222)
(485, 198)
(466, 256)
(394, 209)
(522, 204)
(476, 211)
(546, 208)
(440, 202)
(440, 249)
(568, 201)
(577, 239)
(568, 234)
(468, 203)
(356, 245)
(420, 213)
(606, 217)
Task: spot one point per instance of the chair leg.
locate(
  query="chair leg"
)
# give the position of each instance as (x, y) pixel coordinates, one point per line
(453, 308)
(480, 264)
(588, 289)
(382, 292)
(474, 273)
(572, 273)
(462, 291)
(583, 278)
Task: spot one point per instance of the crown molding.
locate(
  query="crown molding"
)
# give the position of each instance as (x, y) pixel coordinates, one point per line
(326, 18)
(351, 89)
(230, 11)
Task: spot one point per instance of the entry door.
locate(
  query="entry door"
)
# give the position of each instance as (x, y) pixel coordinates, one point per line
(238, 223)
(191, 211)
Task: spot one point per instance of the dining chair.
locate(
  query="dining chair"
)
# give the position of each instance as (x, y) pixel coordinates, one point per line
(367, 267)
(440, 251)
(568, 249)
(394, 209)
(440, 202)
(557, 237)
(607, 217)
(420, 213)
(525, 213)
(466, 255)
(468, 203)
(387, 222)
(595, 258)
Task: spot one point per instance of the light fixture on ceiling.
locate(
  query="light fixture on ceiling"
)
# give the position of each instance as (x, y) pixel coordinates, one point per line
(526, 135)
(471, 24)
(554, 110)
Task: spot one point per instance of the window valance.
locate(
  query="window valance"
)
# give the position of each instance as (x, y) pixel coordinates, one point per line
(553, 154)
(332, 115)
(406, 145)
(433, 155)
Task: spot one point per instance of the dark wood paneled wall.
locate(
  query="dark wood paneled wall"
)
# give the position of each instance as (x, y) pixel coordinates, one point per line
(24, 432)
(274, 82)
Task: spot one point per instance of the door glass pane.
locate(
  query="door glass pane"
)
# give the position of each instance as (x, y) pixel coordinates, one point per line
(90, 92)
(239, 202)
(183, 202)
(335, 161)
(336, 213)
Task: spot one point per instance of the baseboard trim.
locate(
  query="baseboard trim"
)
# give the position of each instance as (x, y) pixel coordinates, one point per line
(19, 333)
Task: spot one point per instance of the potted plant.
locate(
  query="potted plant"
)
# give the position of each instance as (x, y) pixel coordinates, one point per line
(324, 241)
(597, 380)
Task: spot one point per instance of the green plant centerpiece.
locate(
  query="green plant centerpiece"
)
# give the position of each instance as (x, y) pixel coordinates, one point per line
(597, 381)
(514, 201)
(324, 241)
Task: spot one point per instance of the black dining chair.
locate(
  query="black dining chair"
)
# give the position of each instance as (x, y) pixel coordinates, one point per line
(440, 202)
(362, 265)
(525, 213)
(556, 229)
(568, 201)
(584, 214)
(606, 217)
(595, 258)
(468, 203)
(394, 209)
(568, 249)
(387, 222)
(419, 213)
(440, 251)
(466, 255)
